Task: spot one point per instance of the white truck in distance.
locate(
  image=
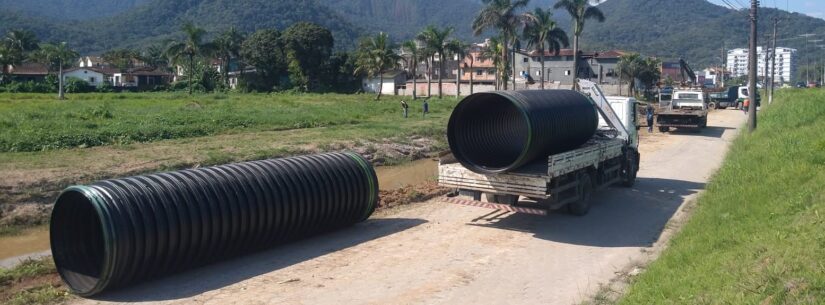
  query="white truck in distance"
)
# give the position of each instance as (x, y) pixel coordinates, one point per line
(688, 109)
(566, 179)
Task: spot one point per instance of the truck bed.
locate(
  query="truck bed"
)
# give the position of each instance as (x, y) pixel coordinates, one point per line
(531, 180)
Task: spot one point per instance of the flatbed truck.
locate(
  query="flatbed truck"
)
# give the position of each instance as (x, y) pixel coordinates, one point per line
(563, 180)
(688, 109)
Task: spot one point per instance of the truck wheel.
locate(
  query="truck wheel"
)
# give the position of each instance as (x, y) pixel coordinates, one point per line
(502, 199)
(631, 168)
(585, 191)
(712, 105)
(664, 129)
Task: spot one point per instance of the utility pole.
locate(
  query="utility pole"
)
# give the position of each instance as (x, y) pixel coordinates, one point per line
(768, 55)
(752, 68)
(773, 60)
(724, 63)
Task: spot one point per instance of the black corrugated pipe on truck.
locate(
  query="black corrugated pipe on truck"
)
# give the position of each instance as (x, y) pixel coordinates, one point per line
(116, 232)
(496, 132)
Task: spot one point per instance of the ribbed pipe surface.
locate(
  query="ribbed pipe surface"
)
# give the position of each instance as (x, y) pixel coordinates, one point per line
(496, 132)
(116, 232)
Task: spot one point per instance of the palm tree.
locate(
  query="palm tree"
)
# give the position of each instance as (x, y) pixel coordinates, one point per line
(22, 41)
(414, 53)
(56, 56)
(501, 15)
(376, 56)
(493, 52)
(631, 66)
(191, 47)
(579, 10)
(458, 49)
(542, 35)
(155, 57)
(228, 46)
(435, 40)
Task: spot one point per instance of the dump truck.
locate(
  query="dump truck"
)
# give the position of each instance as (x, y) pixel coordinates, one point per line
(724, 99)
(688, 109)
(558, 180)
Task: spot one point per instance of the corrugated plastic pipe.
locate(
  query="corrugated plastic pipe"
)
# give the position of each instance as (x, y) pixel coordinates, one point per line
(496, 132)
(117, 232)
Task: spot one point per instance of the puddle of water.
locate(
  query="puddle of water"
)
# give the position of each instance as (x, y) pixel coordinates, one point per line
(28, 241)
(416, 172)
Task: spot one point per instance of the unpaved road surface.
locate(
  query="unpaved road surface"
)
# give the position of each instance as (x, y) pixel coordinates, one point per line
(436, 253)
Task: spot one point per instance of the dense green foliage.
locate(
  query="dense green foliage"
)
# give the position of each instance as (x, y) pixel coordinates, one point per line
(308, 46)
(33, 122)
(71, 9)
(756, 236)
(668, 29)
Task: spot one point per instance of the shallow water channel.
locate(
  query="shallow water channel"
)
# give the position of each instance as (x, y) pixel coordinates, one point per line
(389, 177)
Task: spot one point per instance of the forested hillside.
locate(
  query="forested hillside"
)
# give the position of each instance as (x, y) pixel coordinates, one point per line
(71, 9)
(693, 29)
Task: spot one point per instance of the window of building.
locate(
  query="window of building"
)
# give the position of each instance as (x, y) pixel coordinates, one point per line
(567, 72)
(479, 72)
(525, 59)
(92, 80)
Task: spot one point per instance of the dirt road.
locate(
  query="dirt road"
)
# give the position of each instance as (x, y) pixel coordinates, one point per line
(435, 253)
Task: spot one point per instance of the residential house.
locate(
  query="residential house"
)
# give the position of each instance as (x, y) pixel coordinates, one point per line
(28, 72)
(93, 76)
(393, 83)
(91, 62)
(141, 78)
(601, 66)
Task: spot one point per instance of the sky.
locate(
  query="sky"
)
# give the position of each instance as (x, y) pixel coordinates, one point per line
(813, 8)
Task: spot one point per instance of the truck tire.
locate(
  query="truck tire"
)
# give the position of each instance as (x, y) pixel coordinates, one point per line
(502, 199)
(585, 191)
(664, 129)
(712, 105)
(630, 168)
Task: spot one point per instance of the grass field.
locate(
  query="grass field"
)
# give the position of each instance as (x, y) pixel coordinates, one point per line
(48, 144)
(36, 122)
(757, 235)
(32, 282)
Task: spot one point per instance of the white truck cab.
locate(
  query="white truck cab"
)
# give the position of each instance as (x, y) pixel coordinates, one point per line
(694, 100)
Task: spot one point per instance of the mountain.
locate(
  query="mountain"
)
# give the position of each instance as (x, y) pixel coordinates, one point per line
(71, 9)
(695, 30)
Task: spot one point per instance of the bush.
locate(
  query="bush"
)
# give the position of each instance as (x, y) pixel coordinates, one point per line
(76, 85)
(105, 87)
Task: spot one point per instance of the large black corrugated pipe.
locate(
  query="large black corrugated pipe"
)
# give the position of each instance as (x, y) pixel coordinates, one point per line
(116, 232)
(496, 132)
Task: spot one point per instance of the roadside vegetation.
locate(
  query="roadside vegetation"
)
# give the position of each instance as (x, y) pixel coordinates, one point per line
(757, 235)
(32, 282)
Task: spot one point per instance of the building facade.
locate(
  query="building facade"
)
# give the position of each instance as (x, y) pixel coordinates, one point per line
(786, 63)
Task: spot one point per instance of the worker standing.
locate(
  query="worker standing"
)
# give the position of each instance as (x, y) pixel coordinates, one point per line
(405, 108)
(745, 105)
(649, 111)
(426, 107)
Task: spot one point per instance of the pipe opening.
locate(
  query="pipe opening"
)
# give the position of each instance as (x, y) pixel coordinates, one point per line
(77, 241)
(491, 132)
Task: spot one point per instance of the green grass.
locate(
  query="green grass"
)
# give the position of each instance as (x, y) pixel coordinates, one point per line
(31, 282)
(758, 233)
(36, 122)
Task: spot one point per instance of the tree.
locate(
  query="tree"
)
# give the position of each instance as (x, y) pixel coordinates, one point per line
(56, 57)
(265, 51)
(414, 56)
(14, 48)
(501, 15)
(542, 34)
(22, 41)
(191, 47)
(458, 49)
(155, 57)
(228, 46)
(580, 11)
(435, 40)
(493, 52)
(635, 68)
(376, 56)
(308, 47)
(120, 58)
